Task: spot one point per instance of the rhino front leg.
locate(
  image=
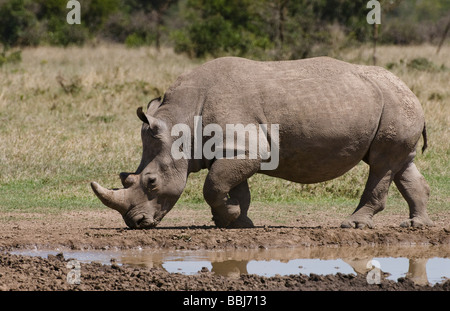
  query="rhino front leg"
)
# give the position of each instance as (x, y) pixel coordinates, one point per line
(227, 193)
(241, 193)
(414, 188)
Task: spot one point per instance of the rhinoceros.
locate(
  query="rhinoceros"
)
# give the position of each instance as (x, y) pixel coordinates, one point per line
(330, 115)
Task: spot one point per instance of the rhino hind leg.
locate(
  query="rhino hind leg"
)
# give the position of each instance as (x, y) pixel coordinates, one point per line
(373, 199)
(414, 188)
(227, 193)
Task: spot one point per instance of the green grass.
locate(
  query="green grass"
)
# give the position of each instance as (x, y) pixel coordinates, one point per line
(67, 117)
(46, 196)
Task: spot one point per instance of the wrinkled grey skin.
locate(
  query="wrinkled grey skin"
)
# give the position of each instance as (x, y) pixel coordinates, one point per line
(331, 115)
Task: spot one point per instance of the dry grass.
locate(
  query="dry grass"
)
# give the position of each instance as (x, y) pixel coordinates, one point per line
(67, 116)
(63, 110)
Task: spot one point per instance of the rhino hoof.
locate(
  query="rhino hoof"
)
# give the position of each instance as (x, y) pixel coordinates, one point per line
(241, 222)
(358, 224)
(225, 216)
(417, 222)
(220, 223)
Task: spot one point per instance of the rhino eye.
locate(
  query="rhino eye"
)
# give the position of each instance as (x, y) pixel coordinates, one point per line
(151, 183)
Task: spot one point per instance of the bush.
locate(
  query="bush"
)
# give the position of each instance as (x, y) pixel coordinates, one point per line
(135, 40)
(423, 64)
(96, 12)
(61, 33)
(216, 27)
(116, 27)
(16, 21)
(67, 35)
(135, 30)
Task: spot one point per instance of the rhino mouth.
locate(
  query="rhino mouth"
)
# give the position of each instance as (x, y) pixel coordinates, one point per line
(139, 220)
(143, 222)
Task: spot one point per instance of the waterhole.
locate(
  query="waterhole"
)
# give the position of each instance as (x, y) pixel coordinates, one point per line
(422, 264)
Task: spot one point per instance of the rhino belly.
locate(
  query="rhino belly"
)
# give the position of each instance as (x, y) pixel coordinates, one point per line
(317, 162)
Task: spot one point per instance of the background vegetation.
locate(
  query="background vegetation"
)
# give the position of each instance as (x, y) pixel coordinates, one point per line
(262, 29)
(68, 93)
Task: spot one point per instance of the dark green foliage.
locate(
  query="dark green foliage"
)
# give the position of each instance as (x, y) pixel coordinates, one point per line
(96, 12)
(419, 64)
(15, 20)
(260, 29)
(423, 64)
(215, 27)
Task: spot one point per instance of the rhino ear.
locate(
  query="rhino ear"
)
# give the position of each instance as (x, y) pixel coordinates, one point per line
(153, 105)
(157, 127)
(151, 109)
(141, 115)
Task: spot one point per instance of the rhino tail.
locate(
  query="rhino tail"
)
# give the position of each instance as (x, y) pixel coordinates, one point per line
(425, 141)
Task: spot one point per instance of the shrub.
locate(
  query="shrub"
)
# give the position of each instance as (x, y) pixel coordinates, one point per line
(16, 21)
(135, 40)
(66, 34)
(423, 64)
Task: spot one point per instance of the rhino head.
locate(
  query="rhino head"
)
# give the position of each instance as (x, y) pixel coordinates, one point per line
(151, 192)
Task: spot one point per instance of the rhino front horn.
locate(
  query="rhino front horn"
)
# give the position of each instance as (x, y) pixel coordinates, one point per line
(114, 199)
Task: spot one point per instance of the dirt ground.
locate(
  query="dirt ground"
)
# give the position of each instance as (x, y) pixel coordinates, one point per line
(86, 230)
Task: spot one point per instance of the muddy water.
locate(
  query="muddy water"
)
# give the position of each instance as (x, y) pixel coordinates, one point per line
(422, 264)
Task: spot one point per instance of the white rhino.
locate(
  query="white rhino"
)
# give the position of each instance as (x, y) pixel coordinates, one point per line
(330, 115)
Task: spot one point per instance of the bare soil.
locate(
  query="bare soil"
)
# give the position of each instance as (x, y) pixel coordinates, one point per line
(105, 230)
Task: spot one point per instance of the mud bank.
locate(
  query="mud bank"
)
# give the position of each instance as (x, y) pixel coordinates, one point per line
(103, 231)
(94, 230)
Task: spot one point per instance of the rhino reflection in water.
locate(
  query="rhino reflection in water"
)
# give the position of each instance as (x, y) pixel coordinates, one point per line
(285, 261)
(331, 116)
(417, 268)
